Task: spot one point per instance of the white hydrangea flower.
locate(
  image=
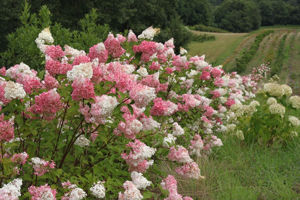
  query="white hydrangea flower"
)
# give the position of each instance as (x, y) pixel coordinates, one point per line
(22, 68)
(295, 101)
(271, 101)
(14, 90)
(73, 52)
(177, 129)
(294, 121)
(142, 71)
(77, 194)
(149, 124)
(170, 139)
(83, 70)
(139, 180)
(12, 190)
(274, 89)
(98, 189)
(44, 38)
(277, 109)
(82, 141)
(145, 152)
(183, 51)
(128, 68)
(103, 107)
(149, 33)
(287, 90)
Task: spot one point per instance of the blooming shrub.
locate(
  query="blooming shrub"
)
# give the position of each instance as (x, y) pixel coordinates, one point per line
(124, 107)
(269, 118)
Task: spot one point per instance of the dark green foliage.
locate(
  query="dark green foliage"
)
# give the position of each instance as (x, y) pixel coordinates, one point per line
(203, 37)
(241, 63)
(22, 46)
(238, 16)
(195, 12)
(9, 13)
(201, 27)
(279, 12)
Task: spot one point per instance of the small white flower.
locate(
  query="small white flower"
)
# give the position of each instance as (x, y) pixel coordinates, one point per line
(98, 189)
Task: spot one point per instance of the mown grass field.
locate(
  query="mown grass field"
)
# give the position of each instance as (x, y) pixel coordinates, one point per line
(229, 46)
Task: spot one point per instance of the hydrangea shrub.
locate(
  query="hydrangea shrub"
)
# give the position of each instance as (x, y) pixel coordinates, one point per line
(99, 124)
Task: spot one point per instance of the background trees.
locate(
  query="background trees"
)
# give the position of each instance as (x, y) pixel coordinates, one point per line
(169, 15)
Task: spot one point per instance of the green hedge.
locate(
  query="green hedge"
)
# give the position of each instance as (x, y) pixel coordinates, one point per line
(246, 57)
(203, 37)
(201, 27)
(276, 67)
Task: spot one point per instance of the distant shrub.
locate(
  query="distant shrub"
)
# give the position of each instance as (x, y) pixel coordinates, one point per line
(201, 27)
(203, 37)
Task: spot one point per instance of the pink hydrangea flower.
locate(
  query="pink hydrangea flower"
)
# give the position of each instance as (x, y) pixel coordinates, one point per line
(205, 75)
(83, 88)
(155, 66)
(131, 37)
(50, 82)
(131, 192)
(6, 129)
(81, 59)
(180, 154)
(47, 104)
(41, 166)
(216, 72)
(219, 82)
(163, 108)
(147, 48)
(2, 71)
(137, 157)
(113, 46)
(98, 51)
(189, 170)
(20, 158)
(229, 102)
(54, 52)
(30, 83)
(42, 192)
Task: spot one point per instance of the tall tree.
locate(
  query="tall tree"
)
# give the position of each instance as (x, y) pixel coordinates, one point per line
(195, 12)
(238, 16)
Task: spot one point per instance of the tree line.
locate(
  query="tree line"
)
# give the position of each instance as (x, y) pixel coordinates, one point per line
(169, 15)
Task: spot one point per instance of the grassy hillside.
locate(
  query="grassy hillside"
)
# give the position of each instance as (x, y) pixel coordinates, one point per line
(281, 49)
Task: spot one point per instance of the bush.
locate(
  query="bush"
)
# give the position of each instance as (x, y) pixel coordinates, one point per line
(95, 117)
(203, 37)
(22, 46)
(270, 119)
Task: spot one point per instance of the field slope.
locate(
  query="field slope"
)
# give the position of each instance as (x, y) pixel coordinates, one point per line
(281, 49)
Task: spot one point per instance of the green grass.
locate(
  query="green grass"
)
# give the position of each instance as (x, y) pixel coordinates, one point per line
(218, 50)
(242, 172)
